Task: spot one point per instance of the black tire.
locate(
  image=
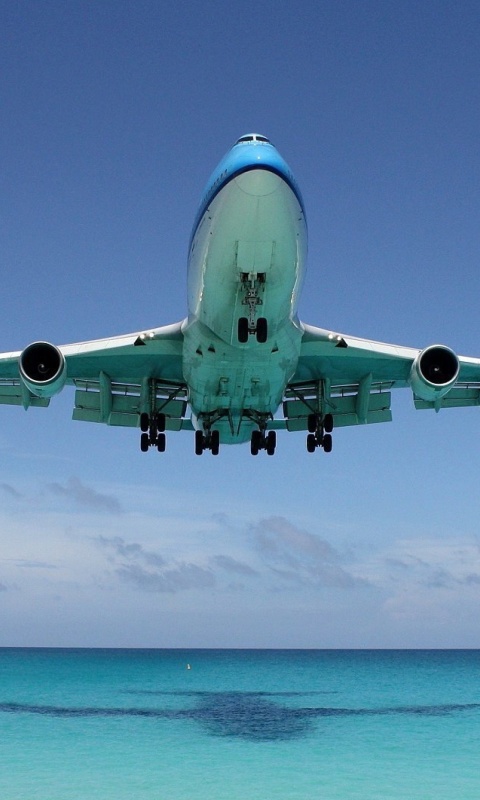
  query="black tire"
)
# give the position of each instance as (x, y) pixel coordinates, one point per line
(144, 442)
(242, 330)
(161, 442)
(144, 422)
(328, 423)
(199, 444)
(255, 442)
(312, 423)
(262, 330)
(271, 442)
(161, 422)
(215, 443)
(311, 443)
(327, 443)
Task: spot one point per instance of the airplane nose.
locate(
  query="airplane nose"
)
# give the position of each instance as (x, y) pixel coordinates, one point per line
(258, 182)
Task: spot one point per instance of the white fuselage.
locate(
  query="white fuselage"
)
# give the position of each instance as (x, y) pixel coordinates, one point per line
(251, 236)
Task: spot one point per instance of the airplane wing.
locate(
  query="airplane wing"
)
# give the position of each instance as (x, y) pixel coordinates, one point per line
(116, 379)
(351, 379)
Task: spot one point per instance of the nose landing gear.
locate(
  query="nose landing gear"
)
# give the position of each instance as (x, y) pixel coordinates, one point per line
(253, 285)
(260, 329)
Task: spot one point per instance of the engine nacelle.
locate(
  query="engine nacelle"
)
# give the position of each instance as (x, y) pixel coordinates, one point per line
(434, 372)
(42, 369)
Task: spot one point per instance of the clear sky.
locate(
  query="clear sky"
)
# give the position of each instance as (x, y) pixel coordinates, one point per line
(113, 115)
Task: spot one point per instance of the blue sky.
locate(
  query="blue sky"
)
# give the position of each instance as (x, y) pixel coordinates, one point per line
(113, 116)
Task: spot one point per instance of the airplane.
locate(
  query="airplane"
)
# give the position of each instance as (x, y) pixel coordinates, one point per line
(241, 366)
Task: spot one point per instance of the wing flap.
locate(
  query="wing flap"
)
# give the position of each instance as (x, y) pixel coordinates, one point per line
(458, 397)
(14, 394)
(356, 408)
(121, 404)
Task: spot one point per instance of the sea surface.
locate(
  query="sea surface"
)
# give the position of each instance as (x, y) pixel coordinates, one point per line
(239, 724)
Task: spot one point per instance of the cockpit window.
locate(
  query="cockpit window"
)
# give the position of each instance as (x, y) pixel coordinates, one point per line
(253, 137)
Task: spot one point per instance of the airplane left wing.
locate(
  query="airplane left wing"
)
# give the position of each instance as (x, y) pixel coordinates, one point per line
(351, 379)
(116, 379)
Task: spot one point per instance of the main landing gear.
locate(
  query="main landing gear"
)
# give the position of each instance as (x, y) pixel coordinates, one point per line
(320, 432)
(263, 441)
(153, 432)
(207, 441)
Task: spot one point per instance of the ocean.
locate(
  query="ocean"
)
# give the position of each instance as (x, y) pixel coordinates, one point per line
(239, 724)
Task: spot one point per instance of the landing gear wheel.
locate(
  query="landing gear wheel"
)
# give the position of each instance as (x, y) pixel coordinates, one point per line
(161, 442)
(327, 443)
(199, 443)
(255, 442)
(160, 420)
(144, 422)
(328, 423)
(271, 442)
(243, 330)
(153, 435)
(312, 423)
(215, 442)
(262, 330)
(144, 442)
(311, 443)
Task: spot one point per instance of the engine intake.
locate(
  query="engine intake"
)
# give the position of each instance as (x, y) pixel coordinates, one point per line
(42, 369)
(434, 372)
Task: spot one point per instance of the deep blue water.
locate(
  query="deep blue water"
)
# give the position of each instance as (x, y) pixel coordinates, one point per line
(239, 724)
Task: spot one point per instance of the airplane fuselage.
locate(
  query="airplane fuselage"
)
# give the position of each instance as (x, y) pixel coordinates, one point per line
(246, 263)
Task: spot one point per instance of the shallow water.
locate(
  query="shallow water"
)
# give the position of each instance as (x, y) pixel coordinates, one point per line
(239, 724)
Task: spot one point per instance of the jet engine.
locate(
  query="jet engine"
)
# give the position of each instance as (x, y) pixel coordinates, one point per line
(42, 369)
(434, 372)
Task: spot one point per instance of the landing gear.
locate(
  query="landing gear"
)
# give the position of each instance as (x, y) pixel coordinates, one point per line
(311, 442)
(207, 441)
(260, 329)
(261, 440)
(253, 284)
(320, 431)
(256, 442)
(243, 330)
(152, 427)
(271, 443)
(328, 423)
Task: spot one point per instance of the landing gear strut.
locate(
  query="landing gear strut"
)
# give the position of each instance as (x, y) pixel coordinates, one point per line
(153, 432)
(320, 432)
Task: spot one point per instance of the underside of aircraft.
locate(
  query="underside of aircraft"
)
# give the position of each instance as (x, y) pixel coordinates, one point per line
(241, 366)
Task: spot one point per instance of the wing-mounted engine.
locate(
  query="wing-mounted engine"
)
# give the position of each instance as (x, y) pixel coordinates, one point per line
(42, 369)
(434, 372)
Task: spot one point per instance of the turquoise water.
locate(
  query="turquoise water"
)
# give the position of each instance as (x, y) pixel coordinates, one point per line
(256, 725)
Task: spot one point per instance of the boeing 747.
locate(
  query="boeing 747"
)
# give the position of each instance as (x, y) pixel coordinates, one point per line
(241, 366)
